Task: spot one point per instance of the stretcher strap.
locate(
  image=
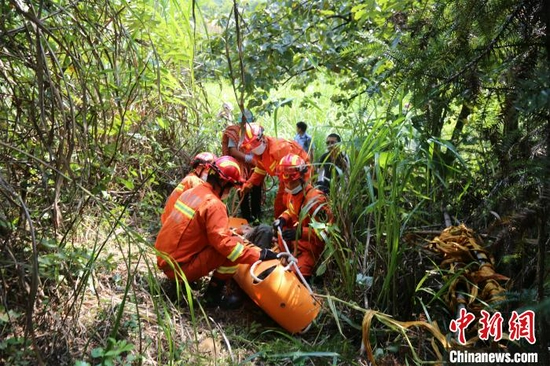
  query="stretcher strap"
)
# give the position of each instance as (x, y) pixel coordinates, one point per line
(293, 262)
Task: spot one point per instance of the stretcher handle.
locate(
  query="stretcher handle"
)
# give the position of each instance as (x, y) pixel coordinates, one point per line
(252, 269)
(291, 260)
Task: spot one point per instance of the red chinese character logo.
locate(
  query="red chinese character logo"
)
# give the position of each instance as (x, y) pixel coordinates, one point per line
(464, 319)
(491, 326)
(522, 326)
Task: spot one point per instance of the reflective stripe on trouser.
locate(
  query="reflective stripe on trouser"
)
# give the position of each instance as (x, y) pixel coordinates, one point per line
(202, 263)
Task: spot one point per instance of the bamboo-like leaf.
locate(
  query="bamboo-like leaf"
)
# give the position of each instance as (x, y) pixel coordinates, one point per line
(395, 325)
(335, 314)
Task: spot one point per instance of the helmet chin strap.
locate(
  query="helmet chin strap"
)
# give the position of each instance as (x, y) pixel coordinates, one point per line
(223, 187)
(202, 173)
(220, 187)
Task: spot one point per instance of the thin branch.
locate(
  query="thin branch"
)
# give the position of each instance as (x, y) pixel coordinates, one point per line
(29, 328)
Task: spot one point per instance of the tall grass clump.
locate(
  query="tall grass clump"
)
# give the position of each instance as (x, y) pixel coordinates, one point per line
(388, 185)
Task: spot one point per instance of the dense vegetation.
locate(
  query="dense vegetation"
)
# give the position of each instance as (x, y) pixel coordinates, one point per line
(444, 108)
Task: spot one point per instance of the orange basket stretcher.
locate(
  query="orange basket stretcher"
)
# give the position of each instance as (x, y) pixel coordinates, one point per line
(277, 290)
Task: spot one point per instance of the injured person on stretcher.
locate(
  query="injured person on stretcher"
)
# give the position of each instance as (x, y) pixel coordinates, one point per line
(276, 286)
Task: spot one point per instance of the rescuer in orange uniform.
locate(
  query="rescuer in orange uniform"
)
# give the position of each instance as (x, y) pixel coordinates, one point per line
(269, 151)
(194, 178)
(195, 238)
(251, 202)
(303, 203)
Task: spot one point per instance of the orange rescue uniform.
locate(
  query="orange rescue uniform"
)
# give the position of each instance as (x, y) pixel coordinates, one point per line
(195, 237)
(191, 180)
(310, 245)
(267, 163)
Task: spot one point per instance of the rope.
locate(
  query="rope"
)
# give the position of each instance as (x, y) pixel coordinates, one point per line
(293, 260)
(235, 207)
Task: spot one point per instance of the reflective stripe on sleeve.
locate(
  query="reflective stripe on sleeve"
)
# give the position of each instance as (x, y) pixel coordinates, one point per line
(179, 188)
(236, 252)
(259, 171)
(184, 209)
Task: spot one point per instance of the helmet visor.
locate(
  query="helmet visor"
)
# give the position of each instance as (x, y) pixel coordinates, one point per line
(287, 173)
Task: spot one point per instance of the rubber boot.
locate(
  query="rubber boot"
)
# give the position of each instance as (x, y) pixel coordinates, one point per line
(214, 293)
(215, 296)
(233, 298)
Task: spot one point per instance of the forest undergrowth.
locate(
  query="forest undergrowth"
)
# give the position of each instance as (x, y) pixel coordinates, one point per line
(442, 108)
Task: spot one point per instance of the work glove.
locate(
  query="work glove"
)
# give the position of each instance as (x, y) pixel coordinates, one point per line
(279, 223)
(267, 254)
(246, 187)
(289, 234)
(249, 158)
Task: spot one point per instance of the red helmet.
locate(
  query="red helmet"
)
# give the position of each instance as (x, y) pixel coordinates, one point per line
(252, 137)
(291, 167)
(202, 159)
(228, 169)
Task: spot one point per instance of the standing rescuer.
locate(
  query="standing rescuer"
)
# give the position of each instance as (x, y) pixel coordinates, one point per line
(269, 151)
(194, 178)
(251, 202)
(195, 238)
(304, 204)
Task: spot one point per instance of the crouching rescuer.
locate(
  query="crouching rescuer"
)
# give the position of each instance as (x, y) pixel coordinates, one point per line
(195, 239)
(306, 217)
